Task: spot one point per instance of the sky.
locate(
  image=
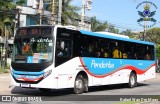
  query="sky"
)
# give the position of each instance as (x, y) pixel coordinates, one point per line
(122, 13)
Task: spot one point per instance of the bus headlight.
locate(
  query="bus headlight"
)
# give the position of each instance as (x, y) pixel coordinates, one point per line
(47, 73)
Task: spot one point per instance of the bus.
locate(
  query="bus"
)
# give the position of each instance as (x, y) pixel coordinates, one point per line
(59, 57)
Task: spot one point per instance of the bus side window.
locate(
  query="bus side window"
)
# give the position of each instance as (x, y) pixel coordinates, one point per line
(59, 49)
(147, 56)
(64, 48)
(117, 53)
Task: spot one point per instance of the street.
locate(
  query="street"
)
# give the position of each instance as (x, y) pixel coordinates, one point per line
(149, 87)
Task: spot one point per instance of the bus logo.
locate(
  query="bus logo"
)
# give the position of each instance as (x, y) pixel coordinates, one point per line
(102, 64)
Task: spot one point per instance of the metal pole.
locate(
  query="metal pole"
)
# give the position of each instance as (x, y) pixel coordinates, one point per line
(53, 12)
(40, 11)
(60, 12)
(4, 49)
(83, 13)
(144, 30)
(18, 21)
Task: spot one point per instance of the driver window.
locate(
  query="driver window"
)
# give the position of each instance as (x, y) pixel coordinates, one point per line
(63, 48)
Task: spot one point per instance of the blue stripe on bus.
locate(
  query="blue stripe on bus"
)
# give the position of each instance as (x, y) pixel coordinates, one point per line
(99, 66)
(27, 73)
(114, 37)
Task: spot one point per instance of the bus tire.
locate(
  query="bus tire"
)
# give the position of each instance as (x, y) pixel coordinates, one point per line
(132, 80)
(85, 85)
(79, 85)
(44, 90)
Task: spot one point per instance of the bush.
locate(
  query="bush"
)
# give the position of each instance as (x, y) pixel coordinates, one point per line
(3, 70)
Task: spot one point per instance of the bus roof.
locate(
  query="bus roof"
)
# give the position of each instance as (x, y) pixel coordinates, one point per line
(113, 34)
(114, 37)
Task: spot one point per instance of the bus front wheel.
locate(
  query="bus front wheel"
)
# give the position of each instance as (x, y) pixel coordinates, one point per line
(79, 85)
(132, 80)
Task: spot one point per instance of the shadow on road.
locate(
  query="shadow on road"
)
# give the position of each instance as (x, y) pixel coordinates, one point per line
(114, 87)
(36, 92)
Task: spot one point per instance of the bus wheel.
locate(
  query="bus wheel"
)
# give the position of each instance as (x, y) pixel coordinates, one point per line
(79, 85)
(44, 90)
(132, 80)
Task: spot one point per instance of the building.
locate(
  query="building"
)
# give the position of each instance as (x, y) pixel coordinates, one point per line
(29, 13)
(84, 26)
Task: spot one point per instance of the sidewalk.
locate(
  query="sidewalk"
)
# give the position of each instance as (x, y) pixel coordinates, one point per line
(5, 84)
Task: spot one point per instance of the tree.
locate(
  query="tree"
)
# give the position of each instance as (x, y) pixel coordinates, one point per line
(69, 12)
(129, 33)
(4, 17)
(7, 14)
(6, 4)
(112, 29)
(97, 25)
(5, 21)
(20, 2)
(153, 35)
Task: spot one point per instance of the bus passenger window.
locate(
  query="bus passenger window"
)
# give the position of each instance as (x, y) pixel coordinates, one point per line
(117, 53)
(106, 53)
(125, 55)
(147, 56)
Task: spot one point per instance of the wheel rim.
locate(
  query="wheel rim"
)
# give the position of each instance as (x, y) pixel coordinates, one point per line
(79, 84)
(132, 80)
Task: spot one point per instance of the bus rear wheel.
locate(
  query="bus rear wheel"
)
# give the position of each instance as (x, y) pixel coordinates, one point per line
(79, 85)
(132, 80)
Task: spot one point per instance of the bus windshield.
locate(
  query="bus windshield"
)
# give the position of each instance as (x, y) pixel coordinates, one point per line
(33, 45)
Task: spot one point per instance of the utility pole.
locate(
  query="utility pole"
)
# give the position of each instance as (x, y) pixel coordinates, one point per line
(60, 12)
(83, 13)
(144, 34)
(17, 17)
(4, 49)
(40, 11)
(86, 4)
(53, 13)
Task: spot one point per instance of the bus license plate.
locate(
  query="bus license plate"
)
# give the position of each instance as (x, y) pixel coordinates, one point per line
(25, 85)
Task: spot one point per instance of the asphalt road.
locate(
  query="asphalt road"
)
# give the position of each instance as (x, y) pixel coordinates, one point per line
(109, 93)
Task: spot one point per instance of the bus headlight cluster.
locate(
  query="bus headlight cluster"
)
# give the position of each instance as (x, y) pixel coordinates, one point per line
(47, 73)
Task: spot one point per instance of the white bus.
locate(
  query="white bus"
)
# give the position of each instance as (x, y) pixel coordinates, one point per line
(55, 57)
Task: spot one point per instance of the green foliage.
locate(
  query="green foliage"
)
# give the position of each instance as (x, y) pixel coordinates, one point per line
(20, 2)
(158, 50)
(3, 70)
(6, 4)
(127, 32)
(69, 12)
(7, 15)
(97, 25)
(128, 102)
(153, 35)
